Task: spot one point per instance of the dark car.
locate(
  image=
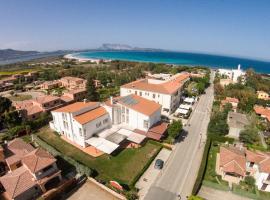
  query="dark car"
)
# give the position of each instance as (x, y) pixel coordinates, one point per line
(159, 164)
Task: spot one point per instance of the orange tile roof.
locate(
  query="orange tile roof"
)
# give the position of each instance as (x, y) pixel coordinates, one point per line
(168, 87)
(19, 147)
(46, 99)
(142, 105)
(17, 182)
(75, 107)
(263, 111)
(90, 115)
(230, 100)
(233, 160)
(255, 157)
(71, 78)
(76, 91)
(38, 160)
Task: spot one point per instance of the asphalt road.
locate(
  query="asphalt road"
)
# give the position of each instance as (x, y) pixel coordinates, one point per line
(177, 179)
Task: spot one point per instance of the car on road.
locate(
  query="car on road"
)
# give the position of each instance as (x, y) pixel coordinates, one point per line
(159, 164)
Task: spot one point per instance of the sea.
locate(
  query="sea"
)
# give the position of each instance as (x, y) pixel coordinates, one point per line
(179, 58)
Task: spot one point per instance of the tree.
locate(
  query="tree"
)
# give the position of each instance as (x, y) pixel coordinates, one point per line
(249, 180)
(249, 135)
(5, 104)
(92, 94)
(12, 119)
(175, 128)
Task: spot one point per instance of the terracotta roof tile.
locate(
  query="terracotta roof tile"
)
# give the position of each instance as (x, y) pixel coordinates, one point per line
(168, 87)
(19, 147)
(17, 182)
(263, 111)
(46, 99)
(75, 107)
(230, 100)
(233, 160)
(90, 115)
(139, 104)
(38, 160)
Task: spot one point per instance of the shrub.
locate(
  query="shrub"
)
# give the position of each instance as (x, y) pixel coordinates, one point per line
(249, 180)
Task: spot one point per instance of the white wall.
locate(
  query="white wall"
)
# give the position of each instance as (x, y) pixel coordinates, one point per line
(167, 101)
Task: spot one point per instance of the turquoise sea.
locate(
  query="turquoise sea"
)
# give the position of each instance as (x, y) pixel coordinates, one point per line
(181, 58)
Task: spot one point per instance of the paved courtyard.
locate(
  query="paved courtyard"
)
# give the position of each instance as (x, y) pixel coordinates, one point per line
(90, 190)
(151, 173)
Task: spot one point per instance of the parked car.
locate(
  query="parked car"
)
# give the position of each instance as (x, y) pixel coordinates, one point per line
(159, 164)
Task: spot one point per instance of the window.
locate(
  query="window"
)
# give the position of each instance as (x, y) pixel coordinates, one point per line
(80, 131)
(136, 92)
(140, 93)
(154, 96)
(84, 132)
(98, 124)
(105, 121)
(145, 123)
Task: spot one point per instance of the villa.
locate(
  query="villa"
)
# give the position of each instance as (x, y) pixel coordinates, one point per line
(234, 163)
(167, 92)
(263, 112)
(32, 109)
(107, 126)
(72, 83)
(263, 95)
(233, 101)
(31, 171)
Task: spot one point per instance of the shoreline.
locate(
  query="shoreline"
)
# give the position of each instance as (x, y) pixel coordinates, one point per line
(261, 68)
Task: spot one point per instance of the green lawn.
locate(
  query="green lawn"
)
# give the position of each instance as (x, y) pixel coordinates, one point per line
(124, 167)
(20, 97)
(210, 173)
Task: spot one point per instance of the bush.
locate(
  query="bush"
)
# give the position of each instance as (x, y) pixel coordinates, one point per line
(249, 180)
(175, 128)
(202, 169)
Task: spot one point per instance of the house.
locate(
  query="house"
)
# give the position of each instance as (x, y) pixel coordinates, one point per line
(72, 83)
(235, 162)
(164, 92)
(263, 112)
(32, 109)
(233, 74)
(237, 123)
(263, 95)
(74, 95)
(225, 81)
(31, 171)
(107, 126)
(31, 76)
(231, 163)
(48, 85)
(233, 101)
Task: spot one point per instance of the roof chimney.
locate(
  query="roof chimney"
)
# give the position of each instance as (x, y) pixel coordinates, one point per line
(84, 100)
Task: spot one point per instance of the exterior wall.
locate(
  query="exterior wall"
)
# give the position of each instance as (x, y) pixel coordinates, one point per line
(168, 102)
(72, 132)
(30, 193)
(263, 95)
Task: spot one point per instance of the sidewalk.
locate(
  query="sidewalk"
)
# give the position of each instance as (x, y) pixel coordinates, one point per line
(150, 175)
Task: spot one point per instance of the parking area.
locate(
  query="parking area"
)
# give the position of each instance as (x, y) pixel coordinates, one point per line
(149, 176)
(93, 190)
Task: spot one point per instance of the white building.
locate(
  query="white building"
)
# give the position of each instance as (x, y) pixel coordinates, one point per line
(233, 74)
(164, 92)
(258, 166)
(131, 118)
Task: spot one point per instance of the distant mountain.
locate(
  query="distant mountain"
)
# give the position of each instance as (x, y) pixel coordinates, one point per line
(124, 47)
(8, 54)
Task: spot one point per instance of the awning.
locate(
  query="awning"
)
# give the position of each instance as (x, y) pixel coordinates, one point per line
(136, 138)
(185, 106)
(102, 144)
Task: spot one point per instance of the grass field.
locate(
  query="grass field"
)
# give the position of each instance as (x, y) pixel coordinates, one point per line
(123, 167)
(9, 73)
(20, 97)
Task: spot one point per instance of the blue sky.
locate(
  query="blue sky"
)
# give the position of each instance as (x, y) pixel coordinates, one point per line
(230, 27)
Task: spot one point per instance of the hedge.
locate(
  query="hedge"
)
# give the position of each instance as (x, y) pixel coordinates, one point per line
(80, 168)
(216, 185)
(202, 168)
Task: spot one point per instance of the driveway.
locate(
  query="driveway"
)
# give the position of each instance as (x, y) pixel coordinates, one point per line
(212, 194)
(90, 190)
(151, 173)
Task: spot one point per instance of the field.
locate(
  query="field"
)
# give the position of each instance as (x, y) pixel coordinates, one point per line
(9, 73)
(123, 167)
(20, 97)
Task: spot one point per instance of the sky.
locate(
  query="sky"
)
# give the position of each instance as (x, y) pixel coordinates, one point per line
(227, 27)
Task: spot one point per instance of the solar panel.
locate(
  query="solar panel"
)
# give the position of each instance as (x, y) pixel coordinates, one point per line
(129, 100)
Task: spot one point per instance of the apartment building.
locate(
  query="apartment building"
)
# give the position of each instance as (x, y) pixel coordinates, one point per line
(72, 83)
(263, 95)
(31, 171)
(164, 92)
